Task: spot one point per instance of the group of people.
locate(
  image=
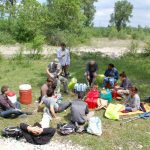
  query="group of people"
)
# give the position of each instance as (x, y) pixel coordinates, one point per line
(125, 90)
(57, 73)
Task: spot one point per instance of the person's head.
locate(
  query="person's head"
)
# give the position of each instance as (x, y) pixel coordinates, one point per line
(111, 66)
(123, 76)
(50, 92)
(4, 89)
(81, 95)
(92, 62)
(133, 91)
(63, 46)
(49, 81)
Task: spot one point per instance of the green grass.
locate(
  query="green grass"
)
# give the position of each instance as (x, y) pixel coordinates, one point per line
(14, 72)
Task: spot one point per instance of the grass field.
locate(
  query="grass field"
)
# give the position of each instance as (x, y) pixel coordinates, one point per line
(133, 136)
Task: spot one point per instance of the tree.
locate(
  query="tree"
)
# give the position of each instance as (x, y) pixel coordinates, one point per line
(66, 15)
(89, 11)
(122, 14)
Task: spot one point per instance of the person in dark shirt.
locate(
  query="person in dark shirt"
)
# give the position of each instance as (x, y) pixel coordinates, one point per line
(79, 110)
(91, 72)
(7, 109)
(36, 134)
(111, 76)
(125, 85)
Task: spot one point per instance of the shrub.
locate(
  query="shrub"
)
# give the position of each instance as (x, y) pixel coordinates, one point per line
(147, 49)
(6, 38)
(36, 45)
(133, 48)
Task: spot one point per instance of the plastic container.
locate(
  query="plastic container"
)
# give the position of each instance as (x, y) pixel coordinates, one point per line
(25, 92)
(92, 103)
(106, 94)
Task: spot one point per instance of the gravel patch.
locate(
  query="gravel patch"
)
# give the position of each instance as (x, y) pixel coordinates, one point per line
(12, 144)
(9, 50)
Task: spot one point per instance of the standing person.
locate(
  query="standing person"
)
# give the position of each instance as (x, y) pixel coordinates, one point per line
(111, 76)
(54, 71)
(91, 72)
(125, 85)
(63, 56)
(7, 109)
(132, 103)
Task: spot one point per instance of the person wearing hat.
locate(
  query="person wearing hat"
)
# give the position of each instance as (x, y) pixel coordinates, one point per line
(54, 71)
(7, 108)
(63, 56)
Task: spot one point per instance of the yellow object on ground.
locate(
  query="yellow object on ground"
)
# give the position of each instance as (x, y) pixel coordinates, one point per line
(146, 106)
(112, 111)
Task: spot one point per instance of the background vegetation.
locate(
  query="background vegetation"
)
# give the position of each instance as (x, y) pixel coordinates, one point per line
(63, 20)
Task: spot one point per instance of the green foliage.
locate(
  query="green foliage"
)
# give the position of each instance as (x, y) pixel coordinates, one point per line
(122, 13)
(133, 48)
(36, 45)
(89, 11)
(6, 38)
(147, 49)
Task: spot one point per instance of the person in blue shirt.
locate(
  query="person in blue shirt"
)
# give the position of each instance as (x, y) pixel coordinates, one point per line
(111, 76)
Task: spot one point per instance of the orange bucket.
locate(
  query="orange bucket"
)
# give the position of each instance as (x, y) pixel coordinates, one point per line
(25, 92)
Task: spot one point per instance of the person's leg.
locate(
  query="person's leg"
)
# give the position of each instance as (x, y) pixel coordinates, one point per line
(112, 82)
(63, 106)
(64, 81)
(87, 78)
(106, 80)
(66, 70)
(46, 118)
(94, 75)
(58, 86)
(11, 113)
(18, 105)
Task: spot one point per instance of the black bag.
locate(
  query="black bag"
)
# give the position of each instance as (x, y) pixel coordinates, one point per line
(147, 100)
(14, 132)
(66, 129)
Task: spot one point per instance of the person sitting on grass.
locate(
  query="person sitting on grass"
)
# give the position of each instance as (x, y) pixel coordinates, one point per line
(111, 76)
(7, 109)
(51, 103)
(91, 72)
(54, 71)
(132, 103)
(79, 110)
(123, 89)
(49, 84)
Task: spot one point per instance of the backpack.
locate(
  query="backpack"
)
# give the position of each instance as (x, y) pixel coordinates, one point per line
(14, 132)
(66, 129)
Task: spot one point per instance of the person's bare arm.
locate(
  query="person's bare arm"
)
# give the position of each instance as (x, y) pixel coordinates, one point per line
(50, 74)
(52, 112)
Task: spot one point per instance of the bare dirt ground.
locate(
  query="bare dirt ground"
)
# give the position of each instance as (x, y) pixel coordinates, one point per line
(112, 48)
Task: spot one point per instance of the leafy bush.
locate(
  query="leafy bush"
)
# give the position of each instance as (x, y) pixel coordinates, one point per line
(147, 49)
(6, 38)
(133, 48)
(36, 45)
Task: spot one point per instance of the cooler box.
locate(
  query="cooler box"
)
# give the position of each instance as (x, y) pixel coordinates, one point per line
(25, 92)
(106, 94)
(92, 103)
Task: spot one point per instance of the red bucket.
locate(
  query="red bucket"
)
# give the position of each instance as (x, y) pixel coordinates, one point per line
(25, 92)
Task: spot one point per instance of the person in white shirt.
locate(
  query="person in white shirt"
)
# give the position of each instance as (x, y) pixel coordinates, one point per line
(63, 56)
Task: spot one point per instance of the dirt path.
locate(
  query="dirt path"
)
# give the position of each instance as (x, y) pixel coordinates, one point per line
(47, 50)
